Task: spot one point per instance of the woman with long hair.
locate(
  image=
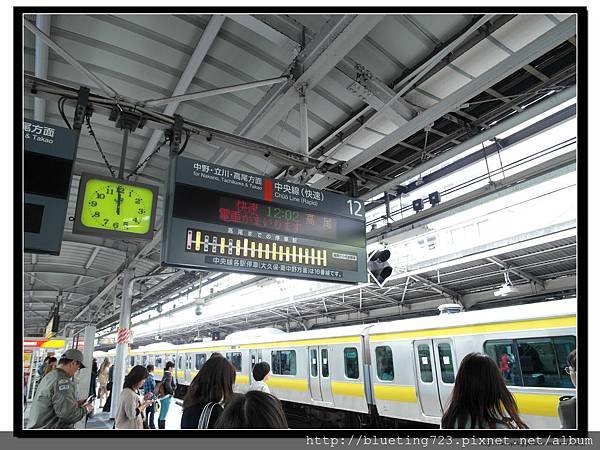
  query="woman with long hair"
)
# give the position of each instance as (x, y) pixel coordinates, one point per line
(103, 380)
(130, 413)
(255, 409)
(480, 398)
(210, 389)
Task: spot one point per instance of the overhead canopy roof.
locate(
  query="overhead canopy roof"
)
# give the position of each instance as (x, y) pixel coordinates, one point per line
(385, 93)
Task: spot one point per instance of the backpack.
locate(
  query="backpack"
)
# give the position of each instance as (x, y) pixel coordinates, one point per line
(205, 416)
(159, 389)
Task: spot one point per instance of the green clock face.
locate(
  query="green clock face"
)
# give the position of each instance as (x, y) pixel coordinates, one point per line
(110, 205)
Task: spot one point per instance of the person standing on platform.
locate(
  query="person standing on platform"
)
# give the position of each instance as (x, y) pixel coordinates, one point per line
(480, 398)
(260, 373)
(109, 387)
(567, 406)
(50, 365)
(55, 404)
(103, 380)
(132, 406)
(169, 385)
(255, 409)
(210, 389)
(93, 377)
(149, 387)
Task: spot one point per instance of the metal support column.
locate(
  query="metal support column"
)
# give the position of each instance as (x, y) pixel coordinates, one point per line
(303, 122)
(85, 375)
(120, 360)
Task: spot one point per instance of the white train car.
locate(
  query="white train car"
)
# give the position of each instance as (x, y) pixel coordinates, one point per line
(385, 374)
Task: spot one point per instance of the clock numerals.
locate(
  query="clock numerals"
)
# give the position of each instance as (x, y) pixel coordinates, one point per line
(137, 201)
(126, 225)
(93, 204)
(120, 189)
(135, 219)
(109, 191)
(115, 225)
(142, 211)
(100, 196)
(96, 214)
(105, 222)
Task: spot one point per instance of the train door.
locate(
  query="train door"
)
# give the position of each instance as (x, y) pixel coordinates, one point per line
(253, 361)
(426, 374)
(435, 374)
(187, 376)
(444, 354)
(313, 371)
(325, 376)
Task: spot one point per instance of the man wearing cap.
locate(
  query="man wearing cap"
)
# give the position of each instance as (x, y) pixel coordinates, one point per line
(55, 404)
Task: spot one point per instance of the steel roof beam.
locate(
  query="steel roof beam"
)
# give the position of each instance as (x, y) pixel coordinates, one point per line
(512, 121)
(530, 52)
(513, 269)
(67, 56)
(337, 37)
(206, 40)
(437, 287)
(266, 31)
(41, 64)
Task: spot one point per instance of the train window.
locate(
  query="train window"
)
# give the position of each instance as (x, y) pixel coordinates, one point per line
(158, 362)
(188, 361)
(539, 363)
(132, 361)
(385, 363)
(252, 361)
(313, 363)
(260, 356)
(180, 362)
(533, 362)
(324, 363)
(235, 358)
(503, 352)
(200, 360)
(351, 363)
(283, 362)
(563, 345)
(446, 364)
(144, 360)
(425, 363)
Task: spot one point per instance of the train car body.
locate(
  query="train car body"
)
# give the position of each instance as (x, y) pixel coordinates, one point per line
(389, 373)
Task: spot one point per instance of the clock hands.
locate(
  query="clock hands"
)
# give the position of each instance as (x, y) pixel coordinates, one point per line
(119, 200)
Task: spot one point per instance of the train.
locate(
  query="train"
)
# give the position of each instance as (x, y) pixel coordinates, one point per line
(394, 374)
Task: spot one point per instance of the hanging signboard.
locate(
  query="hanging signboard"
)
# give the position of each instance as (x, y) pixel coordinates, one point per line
(49, 152)
(223, 219)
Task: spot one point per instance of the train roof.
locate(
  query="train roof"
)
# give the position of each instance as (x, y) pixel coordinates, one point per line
(554, 308)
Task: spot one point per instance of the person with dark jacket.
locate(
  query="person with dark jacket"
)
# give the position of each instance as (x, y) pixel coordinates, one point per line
(55, 404)
(169, 385)
(210, 389)
(567, 406)
(93, 378)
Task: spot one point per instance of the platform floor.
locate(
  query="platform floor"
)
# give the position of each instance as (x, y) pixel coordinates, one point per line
(101, 421)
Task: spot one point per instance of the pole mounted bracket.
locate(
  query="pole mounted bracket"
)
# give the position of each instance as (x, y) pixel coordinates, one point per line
(174, 134)
(82, 108)
(127, 119)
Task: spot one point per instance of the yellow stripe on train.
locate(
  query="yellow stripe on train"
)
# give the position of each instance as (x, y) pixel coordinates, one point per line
(295, 384)
(405, 394)
(537, 404)
(348, 389)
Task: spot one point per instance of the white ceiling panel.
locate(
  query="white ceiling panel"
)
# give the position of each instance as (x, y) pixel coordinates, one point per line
(481, 58)
(523, 29)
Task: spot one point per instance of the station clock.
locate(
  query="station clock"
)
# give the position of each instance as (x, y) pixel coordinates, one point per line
(110, 207)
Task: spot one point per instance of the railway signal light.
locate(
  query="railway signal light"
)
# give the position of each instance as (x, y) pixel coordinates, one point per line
(378, 266)
(417, 205)
(434, 198)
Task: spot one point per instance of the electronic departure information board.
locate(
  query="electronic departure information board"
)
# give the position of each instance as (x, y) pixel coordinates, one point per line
(224, 219)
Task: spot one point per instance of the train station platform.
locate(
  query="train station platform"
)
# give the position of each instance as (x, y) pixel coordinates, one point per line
(101, 421)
